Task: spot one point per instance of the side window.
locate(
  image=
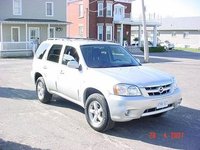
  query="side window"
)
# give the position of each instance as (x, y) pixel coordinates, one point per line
(71, 51)
(41, 50)
(54, 53)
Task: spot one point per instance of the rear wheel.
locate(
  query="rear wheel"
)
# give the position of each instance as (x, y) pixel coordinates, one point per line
(43, 95)
(97, 113)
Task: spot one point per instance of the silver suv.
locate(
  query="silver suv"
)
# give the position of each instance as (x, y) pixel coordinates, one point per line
(103, 78)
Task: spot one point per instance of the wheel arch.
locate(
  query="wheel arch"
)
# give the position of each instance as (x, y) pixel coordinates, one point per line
(37, 75)
(88, 92)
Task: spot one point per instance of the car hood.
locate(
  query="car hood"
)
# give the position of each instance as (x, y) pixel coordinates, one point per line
(137, 75)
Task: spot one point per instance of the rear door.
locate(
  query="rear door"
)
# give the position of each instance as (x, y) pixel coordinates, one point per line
(51, 67)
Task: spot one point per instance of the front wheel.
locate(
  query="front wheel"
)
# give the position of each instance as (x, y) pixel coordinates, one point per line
(43, 95)
(97, 113)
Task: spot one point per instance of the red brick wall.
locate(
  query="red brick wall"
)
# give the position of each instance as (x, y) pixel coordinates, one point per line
(72, 16)
(92, 19)
(126, 32)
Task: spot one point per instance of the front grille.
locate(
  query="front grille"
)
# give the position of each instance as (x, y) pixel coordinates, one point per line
(155, 109)
(158, 90)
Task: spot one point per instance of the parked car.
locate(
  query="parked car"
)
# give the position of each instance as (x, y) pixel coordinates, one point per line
(167, 45)
(103, 78)
(136, 43)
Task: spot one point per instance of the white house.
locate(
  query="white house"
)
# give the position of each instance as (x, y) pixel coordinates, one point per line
(183, 32)
(24, 21)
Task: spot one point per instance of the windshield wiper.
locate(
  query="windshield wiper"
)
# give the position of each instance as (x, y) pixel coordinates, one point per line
(126, 65)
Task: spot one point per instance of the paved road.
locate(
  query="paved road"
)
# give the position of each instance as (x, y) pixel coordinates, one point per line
(25, 123)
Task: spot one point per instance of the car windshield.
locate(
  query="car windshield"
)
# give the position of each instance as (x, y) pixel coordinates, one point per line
(107, 56)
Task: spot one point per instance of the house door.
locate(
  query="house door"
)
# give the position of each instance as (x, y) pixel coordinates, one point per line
(34, 33)
(118, 34)
(34, 38)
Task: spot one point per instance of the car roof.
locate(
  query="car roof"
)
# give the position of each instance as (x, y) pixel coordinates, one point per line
(79, 41)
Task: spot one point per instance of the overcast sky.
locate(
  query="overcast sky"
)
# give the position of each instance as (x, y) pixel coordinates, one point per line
(169, 8)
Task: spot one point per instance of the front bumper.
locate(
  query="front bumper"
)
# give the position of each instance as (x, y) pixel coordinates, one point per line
(128, 108)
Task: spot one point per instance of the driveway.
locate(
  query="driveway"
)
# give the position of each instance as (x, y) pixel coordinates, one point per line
(25, 123)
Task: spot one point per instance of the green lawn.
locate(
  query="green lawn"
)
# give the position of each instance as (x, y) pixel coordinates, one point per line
(188, 49)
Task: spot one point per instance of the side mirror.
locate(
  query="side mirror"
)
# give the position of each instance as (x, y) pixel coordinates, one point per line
(67, 57)
(73, 64)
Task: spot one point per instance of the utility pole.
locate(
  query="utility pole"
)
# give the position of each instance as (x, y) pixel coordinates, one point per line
(146, 47)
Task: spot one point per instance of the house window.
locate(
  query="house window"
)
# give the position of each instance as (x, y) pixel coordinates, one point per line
(81, 10)
(185, 35)
(109, 10)
(109, 33)
(15, 34)
(49, 8)
(52, 32)
(100, 32)
(100, 9)
(80, 29)
(119, 11)
(17, 7)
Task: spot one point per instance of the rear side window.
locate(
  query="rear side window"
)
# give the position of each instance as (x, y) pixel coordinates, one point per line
(54, 53)
(41, 50)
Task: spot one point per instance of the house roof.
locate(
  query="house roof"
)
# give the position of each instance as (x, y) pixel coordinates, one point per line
(40, 21)
(181, 23)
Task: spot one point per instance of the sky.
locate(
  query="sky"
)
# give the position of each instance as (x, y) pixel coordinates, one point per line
(169, 8)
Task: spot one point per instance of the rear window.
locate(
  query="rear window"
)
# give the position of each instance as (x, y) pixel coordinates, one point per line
(41, 50)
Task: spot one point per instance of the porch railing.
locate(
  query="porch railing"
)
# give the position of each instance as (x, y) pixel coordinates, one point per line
(149, 18)
(15, 46)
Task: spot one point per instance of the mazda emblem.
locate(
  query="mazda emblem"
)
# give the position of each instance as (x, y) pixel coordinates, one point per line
(161, 89)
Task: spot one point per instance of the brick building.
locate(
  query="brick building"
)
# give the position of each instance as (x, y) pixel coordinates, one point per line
(99, 19)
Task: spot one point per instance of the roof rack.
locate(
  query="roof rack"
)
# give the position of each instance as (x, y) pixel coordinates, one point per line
(71, 38)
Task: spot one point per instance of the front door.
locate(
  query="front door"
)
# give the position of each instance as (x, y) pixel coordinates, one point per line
(69, 78)
(34, 34)
(118, 35)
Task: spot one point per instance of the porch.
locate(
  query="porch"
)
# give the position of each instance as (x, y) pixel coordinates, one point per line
(126, 19)
(16, 49)
(20, 37)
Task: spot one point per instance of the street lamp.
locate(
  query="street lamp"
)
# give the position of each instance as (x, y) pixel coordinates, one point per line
(146, 48)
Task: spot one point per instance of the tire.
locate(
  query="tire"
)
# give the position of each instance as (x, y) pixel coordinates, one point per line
(97, 113)
(43, 95)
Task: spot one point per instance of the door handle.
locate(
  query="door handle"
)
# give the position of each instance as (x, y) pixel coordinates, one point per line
(62, 72)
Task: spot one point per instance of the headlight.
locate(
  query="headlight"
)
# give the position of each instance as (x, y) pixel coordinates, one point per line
(126, 90)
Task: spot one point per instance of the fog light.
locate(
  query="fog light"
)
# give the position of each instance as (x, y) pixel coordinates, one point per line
(127, 113)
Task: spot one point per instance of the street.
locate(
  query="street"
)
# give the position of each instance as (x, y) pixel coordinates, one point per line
(25, 123)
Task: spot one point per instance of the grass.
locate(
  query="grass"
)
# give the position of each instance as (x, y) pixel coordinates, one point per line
(188, 49)
(154, 49)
